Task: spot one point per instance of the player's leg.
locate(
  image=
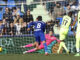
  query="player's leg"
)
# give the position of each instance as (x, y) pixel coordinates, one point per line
(77, 45)
(45, 47)
(36, 43)
(42, 38)
(41, 46)
(29, 51)
(62, 44)
(29, 45)
(32, 50)
(61, 37)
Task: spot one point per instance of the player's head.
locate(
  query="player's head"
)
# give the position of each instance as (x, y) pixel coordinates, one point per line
(28, 12)
(70, 13)
(39, 18)
(50, 32)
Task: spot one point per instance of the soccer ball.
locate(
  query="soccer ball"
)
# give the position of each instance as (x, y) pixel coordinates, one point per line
(0, 49)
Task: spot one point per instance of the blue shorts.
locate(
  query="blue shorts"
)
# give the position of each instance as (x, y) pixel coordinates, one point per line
(39, 36)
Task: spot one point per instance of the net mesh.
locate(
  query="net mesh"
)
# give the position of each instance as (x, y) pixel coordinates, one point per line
(11, 44)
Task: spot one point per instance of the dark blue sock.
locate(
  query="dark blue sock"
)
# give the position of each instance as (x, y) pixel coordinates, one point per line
(45, 47)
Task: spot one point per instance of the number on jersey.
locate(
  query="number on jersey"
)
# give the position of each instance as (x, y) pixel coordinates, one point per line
(65, 22)
(39, 25)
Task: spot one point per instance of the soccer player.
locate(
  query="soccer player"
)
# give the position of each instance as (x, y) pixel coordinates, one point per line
(64, 31)
(77, 34)
(49, 38)
(39, 31)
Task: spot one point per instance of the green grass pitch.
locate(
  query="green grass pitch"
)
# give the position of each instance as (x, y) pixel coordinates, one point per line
(35, 56)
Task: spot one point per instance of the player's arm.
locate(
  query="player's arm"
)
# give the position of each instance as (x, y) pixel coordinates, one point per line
(72, 25)
(54, 38)
(30, 24)
(74, 21)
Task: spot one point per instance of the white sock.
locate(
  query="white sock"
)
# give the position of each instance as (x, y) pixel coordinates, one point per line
(77, 49)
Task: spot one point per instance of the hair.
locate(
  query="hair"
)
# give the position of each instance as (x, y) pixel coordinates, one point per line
(70, 13)
(50, 30)
(39, 18)
(58, 3)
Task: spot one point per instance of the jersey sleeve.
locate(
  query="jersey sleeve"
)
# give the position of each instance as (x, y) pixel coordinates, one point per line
(30, 24)
(66, 22)
(53, 38)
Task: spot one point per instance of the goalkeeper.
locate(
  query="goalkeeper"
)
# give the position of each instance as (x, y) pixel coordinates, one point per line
(64, 31)
(49, 38)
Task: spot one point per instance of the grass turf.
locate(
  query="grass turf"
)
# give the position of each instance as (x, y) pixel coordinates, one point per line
(38, 57)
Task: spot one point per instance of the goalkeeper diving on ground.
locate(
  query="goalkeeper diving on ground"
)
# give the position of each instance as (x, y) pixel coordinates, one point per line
(49, 38)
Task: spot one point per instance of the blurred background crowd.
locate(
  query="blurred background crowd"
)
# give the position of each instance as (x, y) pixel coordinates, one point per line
(15, 15)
